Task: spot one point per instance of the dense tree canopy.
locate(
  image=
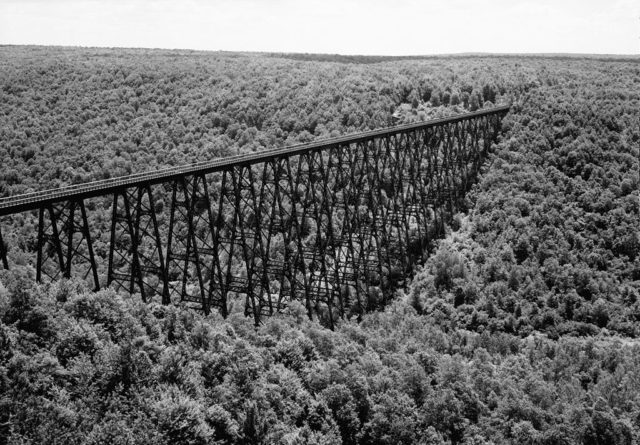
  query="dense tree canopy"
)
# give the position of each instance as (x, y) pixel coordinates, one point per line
(82, 367)
(522, 327)
(552, 242)
(70, 115)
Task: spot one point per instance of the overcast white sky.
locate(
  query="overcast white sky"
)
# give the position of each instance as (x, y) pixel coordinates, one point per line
(386, 27)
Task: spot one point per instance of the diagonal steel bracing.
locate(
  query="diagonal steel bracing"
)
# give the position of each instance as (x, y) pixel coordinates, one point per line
(64, 243)
(335, 225)
(136, 260)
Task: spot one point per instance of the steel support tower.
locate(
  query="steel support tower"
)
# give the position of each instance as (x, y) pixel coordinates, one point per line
(335, 224)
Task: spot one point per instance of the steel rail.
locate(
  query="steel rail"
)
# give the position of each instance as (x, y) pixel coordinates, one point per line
(36, 200)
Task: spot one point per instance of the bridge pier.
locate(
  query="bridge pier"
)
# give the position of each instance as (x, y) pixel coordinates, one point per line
(122, 221)
(64, 234)
(334, 224)
(136, 265)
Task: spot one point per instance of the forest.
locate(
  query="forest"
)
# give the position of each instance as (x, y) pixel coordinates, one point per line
(522, 327)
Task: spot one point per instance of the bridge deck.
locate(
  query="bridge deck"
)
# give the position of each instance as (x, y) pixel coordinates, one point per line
(35, 200)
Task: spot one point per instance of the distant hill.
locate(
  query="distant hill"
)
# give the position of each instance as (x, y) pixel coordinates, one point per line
(340, 58)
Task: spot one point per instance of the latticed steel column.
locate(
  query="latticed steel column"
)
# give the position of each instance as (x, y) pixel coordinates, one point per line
(304, 257)
(49, 239)
(248, 215)
(136, 260)
(348, 282)
(334, 225)
(123, 250)
(150, 255)
(66, 237)
(190, 242)
(272, 221)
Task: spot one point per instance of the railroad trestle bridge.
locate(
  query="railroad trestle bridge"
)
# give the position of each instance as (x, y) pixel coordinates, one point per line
(335, 224)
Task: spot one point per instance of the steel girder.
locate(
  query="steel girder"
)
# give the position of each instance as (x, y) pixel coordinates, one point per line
(336, 226)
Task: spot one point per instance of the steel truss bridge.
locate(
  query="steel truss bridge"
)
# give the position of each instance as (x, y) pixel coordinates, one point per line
(335, 224)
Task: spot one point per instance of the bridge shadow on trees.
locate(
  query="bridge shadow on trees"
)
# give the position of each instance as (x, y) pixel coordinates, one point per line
(336, 224)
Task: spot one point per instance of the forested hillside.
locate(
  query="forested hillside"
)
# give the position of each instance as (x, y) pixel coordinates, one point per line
(521, 328)
(69, 116)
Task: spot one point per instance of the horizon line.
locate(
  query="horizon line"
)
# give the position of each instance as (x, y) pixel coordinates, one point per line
(456, 54)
